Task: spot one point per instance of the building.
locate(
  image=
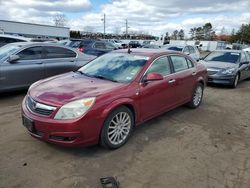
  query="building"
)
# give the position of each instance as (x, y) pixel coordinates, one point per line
(33, 30)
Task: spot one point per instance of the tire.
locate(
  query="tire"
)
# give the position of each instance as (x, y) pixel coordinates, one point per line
(236, 81)
(197, 96)
(115, 132)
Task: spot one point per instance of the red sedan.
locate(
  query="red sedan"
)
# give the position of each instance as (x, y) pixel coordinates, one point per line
(104, 100)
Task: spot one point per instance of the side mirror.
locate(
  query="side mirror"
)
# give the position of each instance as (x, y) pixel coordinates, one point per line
(153, 77)
(13, 58)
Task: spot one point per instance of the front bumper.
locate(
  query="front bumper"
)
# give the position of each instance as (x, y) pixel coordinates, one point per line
(219, 79)
(81, 132)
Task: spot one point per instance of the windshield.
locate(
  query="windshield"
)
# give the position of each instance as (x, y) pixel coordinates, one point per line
(174, 48)
(117, 67)
(8, 50)
(229, 57)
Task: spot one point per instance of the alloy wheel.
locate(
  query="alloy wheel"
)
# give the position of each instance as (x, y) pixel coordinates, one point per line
(119, 128)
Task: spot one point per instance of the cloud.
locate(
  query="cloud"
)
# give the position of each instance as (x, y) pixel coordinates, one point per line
(151, 16)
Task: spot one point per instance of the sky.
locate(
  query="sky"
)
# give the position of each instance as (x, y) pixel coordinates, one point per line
(148, 16)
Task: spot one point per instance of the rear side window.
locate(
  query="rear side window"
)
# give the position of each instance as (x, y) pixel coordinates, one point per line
(179, 63)
(160, 66)
(99, 45)
(186, 50)
(32, 53)
(58, 52)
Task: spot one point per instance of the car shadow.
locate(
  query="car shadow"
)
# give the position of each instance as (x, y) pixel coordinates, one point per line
(152, 130)
(11, 94)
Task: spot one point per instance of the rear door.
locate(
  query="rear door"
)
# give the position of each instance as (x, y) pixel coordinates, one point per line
(25, 71)
(58, 60)
(185, 73)
(157, 96)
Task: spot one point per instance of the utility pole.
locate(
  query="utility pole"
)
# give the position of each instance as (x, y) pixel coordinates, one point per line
(126, 28)
(104, 25)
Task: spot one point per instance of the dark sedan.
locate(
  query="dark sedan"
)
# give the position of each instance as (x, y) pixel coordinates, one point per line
(21, 64)
(227, 67)
(94, 47)
(134, 44)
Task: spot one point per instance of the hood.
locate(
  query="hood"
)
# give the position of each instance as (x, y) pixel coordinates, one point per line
(218, 64)
(59, 90)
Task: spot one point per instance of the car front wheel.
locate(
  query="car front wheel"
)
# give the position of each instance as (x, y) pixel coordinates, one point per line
(117, 128)
(197, 96)
(236, 81)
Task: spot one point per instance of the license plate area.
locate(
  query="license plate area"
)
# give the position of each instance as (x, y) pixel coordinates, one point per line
(29, 124)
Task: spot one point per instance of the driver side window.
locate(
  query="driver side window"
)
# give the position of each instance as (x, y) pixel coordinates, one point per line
(160, 66)
(32, 53)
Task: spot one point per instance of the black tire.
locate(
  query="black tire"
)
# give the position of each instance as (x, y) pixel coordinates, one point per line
(193, 104)
(104, 139)
(236, 81)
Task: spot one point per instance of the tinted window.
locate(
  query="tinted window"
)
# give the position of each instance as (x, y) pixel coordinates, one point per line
(85, 43)
(174, 48)
(5, 40)
(115, 66)
(229, 57)
(32, 53)
(179, 63)
(100, 45)
(160, 66)
(58, 52)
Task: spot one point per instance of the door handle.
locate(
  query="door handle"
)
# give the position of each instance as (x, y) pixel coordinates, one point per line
(194, 73)
(171, 81)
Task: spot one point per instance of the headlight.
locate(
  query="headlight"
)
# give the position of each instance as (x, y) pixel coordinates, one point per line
(228, 71)
(75, 109)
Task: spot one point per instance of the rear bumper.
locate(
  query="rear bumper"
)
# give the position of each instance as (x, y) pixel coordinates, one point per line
(226, 80)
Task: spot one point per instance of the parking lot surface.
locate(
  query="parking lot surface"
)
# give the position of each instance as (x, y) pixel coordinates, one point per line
(204, 148)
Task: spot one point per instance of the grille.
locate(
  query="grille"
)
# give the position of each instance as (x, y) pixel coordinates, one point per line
(39, 108)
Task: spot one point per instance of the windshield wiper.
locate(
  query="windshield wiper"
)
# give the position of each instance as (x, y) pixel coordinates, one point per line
(104, 78)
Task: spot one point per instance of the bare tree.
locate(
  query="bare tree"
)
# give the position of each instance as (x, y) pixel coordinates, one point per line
(60, 20)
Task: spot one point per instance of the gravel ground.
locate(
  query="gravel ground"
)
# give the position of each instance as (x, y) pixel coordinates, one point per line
(203, 148)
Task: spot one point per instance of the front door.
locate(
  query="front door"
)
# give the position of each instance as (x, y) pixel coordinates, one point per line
(25, 71)
(157, 96)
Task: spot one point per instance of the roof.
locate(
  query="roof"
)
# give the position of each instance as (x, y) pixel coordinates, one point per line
(147, 51)
(33, 24)
(232, 51)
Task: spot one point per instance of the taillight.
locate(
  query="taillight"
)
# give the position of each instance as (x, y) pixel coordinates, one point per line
(81, 49)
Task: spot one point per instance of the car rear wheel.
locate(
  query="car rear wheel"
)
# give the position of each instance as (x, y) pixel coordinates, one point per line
(117, 128)
(236, 81)
(197, 96)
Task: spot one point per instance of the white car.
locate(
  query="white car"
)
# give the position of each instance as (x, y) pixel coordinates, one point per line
(117, 43)
(247, 49)
(192, 51)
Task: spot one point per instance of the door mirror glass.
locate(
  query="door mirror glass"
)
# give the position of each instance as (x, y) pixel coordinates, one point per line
(153, 77)
(13, 58)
